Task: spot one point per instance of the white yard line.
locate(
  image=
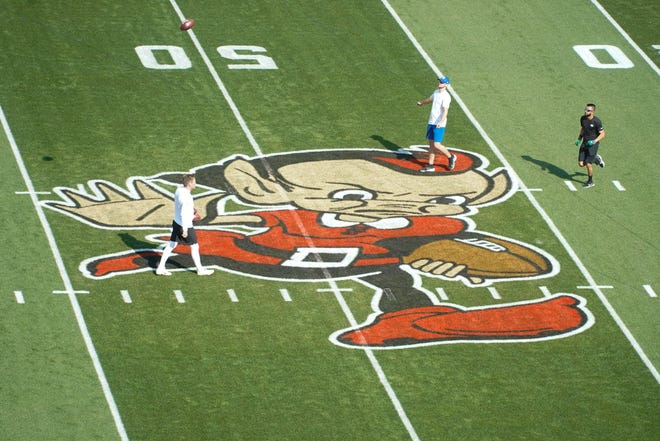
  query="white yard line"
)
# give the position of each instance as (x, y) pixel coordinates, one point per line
(66, 280)
(349, 315)
(531, 198)
(625, 35)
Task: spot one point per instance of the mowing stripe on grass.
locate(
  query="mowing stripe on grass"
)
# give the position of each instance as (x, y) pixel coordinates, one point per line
(347, 312)
(514, 176)
(66, 280)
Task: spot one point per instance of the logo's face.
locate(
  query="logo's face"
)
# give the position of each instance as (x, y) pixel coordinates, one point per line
(365, 191)
(366, 215)
(371, 186)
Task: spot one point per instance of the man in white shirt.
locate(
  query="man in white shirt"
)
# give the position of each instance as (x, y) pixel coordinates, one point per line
(435, 129)
(182, 227)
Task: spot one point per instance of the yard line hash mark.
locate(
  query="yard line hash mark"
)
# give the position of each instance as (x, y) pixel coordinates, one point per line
(493, 292)
(125, 295)
(546, 292)
(336, 290)
(441, 292)
(618, 186)
(232, 295)
(285, 295)
(514, 176)
(595, 287)
(570, 185)
(179, 296)
(57, 257)
(19, 297)
(649, 291)
(70, 291)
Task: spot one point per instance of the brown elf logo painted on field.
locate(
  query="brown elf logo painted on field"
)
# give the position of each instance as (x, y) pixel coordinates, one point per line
(361, 214)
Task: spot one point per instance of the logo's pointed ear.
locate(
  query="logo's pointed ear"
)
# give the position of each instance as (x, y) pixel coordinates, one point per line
(251, 186)
(501, 189)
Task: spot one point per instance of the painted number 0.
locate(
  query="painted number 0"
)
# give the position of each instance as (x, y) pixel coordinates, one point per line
(616, 58)
(174, 57)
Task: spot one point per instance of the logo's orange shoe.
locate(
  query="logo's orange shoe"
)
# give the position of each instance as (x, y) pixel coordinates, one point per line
(540, 319)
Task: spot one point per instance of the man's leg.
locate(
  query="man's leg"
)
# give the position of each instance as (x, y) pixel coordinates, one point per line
(194, 252)
(590, 175)
(430, 167)
(167, 252)
(445, 151)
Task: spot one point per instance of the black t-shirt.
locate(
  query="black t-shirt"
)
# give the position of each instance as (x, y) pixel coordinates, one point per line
(590, 128)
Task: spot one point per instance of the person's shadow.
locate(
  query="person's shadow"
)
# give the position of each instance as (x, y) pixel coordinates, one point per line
(553, 169)
(389, 145)
(148, 252)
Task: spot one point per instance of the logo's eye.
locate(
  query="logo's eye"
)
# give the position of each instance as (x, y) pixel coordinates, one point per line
(352, 195)
(449, 200)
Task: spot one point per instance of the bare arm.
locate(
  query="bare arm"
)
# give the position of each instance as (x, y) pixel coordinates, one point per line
(424, 101)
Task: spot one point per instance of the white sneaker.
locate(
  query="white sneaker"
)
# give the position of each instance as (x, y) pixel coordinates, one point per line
(204, 272)
(427, 169)
(163, 272)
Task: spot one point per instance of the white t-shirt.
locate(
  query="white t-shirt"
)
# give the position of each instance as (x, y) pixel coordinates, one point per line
(439, 107)
(183, 207)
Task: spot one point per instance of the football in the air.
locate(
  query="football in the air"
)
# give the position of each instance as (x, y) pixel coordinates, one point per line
(484, 257)
(188, 23)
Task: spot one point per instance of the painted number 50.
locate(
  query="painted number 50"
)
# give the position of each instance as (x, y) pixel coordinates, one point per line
(174, 57)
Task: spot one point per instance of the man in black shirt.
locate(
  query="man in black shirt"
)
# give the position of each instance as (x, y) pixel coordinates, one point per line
(591, 133)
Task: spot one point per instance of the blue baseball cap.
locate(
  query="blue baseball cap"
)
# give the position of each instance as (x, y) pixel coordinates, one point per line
(444, 80)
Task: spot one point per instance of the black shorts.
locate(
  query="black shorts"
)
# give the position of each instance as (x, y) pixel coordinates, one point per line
(177, 232)
(588, 154)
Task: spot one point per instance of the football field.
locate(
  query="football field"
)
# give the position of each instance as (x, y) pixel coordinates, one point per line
(353, 297)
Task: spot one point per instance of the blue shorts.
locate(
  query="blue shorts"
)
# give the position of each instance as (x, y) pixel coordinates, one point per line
(435, 133)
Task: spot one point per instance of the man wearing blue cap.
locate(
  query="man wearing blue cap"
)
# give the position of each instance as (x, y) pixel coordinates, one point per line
(435, 130)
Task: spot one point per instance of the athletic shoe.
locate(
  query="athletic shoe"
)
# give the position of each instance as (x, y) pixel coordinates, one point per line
(588, 184)
(427, 169)
(204, 272)
(163, 272)
(599, 161)
(452, 162)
